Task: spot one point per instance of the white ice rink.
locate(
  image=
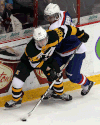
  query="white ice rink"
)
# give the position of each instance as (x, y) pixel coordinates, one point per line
(80, 111)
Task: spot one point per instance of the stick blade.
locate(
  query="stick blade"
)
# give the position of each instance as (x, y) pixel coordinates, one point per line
(24, 118)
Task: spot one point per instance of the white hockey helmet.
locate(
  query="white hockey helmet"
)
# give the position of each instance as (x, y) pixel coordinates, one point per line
(51, 9)
(40, 36)
(52, 12)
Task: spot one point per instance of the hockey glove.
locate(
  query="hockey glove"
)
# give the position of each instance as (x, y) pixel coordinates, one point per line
(84, 38)
(51, 75)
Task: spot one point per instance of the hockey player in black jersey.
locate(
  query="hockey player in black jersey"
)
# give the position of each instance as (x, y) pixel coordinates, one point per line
(38, 54)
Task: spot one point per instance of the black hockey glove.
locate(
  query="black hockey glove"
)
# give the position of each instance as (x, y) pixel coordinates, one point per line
(51, 75)
(84, 38)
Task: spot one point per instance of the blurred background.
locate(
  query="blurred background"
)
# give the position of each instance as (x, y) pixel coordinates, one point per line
(16, 15)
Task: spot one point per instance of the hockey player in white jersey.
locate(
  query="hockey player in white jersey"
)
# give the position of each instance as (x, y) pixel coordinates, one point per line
(56, 18)
(38, 54)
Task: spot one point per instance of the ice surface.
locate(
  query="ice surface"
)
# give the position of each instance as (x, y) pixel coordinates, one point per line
(81, 110)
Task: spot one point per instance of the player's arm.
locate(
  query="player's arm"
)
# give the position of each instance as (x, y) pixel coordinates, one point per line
(81, 34)
(70, 30)
(36, 61)
(58, 34)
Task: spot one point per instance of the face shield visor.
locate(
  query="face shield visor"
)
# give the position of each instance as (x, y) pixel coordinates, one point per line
(42, 42)
(51, 18)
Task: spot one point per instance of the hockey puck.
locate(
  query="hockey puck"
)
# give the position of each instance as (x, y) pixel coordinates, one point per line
(24, 120)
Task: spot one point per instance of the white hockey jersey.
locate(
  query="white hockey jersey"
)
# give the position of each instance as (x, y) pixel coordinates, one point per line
(69, 45)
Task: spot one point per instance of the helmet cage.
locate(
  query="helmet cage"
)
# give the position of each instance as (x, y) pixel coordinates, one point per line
(52, 18)
(42, 42)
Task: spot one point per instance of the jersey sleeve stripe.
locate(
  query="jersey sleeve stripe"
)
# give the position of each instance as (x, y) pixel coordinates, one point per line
(48, 30)
(26, 52)
(63, 21)
(69, 50)
(74, 30)
(40, 64)
(50, 45)
(81, 35)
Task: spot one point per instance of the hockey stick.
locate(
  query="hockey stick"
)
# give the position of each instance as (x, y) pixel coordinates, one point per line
(28, 114)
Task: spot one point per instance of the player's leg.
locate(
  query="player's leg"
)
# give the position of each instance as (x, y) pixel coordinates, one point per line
(57, 89)
(73, 73)
(21, 73)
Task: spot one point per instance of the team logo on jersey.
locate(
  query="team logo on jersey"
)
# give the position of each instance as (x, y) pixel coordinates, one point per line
(97, 48)
(17, 72)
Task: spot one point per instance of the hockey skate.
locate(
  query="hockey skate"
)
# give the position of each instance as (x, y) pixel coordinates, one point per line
(86, 89)
(55, 96)
(12, 104)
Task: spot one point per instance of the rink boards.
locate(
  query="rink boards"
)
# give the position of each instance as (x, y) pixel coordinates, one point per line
(32, 88)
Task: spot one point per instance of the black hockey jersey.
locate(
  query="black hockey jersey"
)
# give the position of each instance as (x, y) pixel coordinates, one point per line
(37, 55)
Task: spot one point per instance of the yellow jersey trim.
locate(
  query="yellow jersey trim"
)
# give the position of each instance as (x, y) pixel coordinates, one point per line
(40, 64)
(81, 35)
(74, 30)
